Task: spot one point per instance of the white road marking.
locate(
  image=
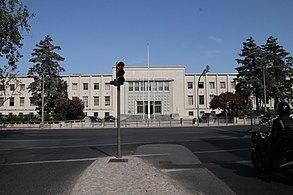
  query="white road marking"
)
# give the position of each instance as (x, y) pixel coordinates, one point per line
(216, 151)
(50, 161)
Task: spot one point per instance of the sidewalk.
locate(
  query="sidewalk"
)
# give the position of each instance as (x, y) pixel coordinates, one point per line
(125, 178)
(149, 172)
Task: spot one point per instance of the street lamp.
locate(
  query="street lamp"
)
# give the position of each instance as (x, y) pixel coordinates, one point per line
(204, 72)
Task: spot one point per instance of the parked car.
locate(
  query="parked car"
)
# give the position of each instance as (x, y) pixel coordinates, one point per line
(109, 118)
(207, 117)
(92, 119)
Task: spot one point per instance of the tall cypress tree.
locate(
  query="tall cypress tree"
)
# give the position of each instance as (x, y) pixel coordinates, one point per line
(46, 69)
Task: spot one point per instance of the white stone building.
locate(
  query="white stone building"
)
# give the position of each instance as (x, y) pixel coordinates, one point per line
(172, 92)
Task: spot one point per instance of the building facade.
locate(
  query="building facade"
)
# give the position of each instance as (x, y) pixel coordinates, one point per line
(148, 92)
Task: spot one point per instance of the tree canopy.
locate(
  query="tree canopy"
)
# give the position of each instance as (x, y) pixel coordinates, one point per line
(46, 69)
(13, 22)
(266, 67)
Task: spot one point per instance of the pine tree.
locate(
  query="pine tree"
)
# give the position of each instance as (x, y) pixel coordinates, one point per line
(249, 78)
(46, 69)
(279, 64)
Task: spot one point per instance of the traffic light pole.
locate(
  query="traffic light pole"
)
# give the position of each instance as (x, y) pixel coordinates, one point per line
(118, 124)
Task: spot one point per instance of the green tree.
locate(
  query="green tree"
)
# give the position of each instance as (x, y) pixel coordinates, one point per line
(250, 73)
(279, 65)
(13, 22)
(46, 69)
(73, 109)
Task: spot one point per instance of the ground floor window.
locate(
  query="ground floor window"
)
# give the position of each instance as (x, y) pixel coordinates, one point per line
(155, 107)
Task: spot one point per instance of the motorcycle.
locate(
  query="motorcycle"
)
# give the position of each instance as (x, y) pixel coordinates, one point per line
(260, 139)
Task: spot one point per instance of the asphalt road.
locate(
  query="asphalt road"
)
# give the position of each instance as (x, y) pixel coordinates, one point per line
(50, 161)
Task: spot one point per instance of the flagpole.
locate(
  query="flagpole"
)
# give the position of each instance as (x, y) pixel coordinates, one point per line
(149, 102)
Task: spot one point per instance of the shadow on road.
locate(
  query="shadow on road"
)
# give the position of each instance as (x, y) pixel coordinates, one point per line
(99, 150)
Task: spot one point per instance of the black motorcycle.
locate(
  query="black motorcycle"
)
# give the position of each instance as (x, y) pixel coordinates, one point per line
(260, 139)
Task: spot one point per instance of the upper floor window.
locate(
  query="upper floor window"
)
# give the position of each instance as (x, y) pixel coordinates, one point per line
(233, 85)
(190, 100)
(21, 101)
(200, 85)
(107, 101)
(74, 86)
(11, 101)
(12, 87)
(223, 85)
(85, 86)
(107, 86)
(166, 84)
(189, 85)
(212, 85)
(22, 87)
(130, 86)
(96, 86)
(136, 86)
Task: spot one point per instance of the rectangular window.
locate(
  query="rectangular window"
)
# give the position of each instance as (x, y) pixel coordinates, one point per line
(166, 85)
(12, 87)
(190, 113)
(190, 100)
(142, 86)
(1, 101)
(189, 85)
(11, 101)
(233, 85)
(85, 100)
(223, 85)
(155, 88)
(31, 102)
(200, 85)
(96, 100)
(201, 100)
(21, 101)
(107, 86)
(136, 86)
(85, 86)
(130, 86)
(2, 88)
(107, 101)
(96, 86)
(160, 86)
(212, 85)
(96, 114)
(140, 107)
(158, 107)
(22, 87)
(74, 86)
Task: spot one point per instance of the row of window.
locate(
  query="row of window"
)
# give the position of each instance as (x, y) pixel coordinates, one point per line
(149, 86)
(85, 100)
(200, 99)
(85, 86)
(211, 84)
(12, 87)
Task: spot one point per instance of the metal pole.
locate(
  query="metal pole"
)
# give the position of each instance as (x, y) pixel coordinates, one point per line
(264, 89)
(198, 99)
(43, 91)
(118, 124)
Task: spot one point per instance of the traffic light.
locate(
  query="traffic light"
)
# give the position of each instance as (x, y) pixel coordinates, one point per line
(119, 74)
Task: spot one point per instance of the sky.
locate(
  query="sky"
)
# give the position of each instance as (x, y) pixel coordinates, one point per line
(95, 34)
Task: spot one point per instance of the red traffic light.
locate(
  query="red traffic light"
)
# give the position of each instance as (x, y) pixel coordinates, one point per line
(120, 65)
